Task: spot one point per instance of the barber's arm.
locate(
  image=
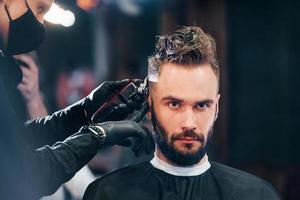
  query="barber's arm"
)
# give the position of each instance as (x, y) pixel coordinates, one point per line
(58, 164)
(58, 126)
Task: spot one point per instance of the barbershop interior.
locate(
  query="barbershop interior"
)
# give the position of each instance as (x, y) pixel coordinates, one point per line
(257, 42)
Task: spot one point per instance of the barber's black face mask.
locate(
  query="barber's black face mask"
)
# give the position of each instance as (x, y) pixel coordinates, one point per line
(26, 33)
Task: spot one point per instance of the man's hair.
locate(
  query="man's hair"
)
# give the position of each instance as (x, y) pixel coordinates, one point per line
(187, 46)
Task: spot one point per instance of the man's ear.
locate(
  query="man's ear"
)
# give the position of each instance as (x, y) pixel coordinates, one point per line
(150, 104)
(217, 106)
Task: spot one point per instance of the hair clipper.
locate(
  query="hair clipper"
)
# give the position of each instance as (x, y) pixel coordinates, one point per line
(131, 91)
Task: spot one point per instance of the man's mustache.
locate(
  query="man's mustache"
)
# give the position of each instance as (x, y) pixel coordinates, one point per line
(189, 133)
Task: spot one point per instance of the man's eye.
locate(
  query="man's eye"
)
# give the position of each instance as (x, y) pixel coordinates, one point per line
(202, 106)
(174, 104)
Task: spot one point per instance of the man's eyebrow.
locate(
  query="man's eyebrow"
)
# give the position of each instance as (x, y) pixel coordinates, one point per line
(171, 98)
(208, 101)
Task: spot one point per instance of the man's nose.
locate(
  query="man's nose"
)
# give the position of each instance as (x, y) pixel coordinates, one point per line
(189, 120)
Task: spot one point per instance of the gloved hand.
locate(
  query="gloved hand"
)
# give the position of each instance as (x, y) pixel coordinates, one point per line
(119, 132)
(103, 93)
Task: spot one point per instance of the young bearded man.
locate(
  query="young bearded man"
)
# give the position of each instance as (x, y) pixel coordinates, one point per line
(184, 97)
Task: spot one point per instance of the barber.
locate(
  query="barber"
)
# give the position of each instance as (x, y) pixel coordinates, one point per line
(27, 172)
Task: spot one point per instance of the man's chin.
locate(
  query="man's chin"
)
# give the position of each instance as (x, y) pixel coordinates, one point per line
(189, 152)
(185, 157)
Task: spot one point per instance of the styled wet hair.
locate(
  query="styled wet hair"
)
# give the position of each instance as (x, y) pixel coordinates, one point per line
(187, 46)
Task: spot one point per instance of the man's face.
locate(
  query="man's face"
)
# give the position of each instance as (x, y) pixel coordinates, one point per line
(184, 105)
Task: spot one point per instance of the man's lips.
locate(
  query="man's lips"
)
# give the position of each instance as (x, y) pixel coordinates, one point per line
(188, 139)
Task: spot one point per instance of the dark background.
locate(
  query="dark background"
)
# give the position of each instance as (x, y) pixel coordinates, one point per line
(258, 51)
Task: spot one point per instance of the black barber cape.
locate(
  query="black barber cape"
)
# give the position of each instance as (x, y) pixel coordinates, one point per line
(146, 182)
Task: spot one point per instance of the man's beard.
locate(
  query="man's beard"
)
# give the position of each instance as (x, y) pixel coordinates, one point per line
(168, 148)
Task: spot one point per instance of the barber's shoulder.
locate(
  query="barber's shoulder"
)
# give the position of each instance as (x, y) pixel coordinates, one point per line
(239, 180)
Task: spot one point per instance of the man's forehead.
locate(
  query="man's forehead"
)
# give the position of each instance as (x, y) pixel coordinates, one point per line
(187, 81)
(187, 75)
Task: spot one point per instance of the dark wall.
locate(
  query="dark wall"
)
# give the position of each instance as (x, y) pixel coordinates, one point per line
(264, 69)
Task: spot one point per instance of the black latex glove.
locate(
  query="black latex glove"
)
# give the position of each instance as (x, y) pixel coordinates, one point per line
(103, 93)
(119, 132)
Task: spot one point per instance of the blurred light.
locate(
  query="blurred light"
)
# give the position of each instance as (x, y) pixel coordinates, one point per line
(87, 4)
(129, 7)
(58, 15)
